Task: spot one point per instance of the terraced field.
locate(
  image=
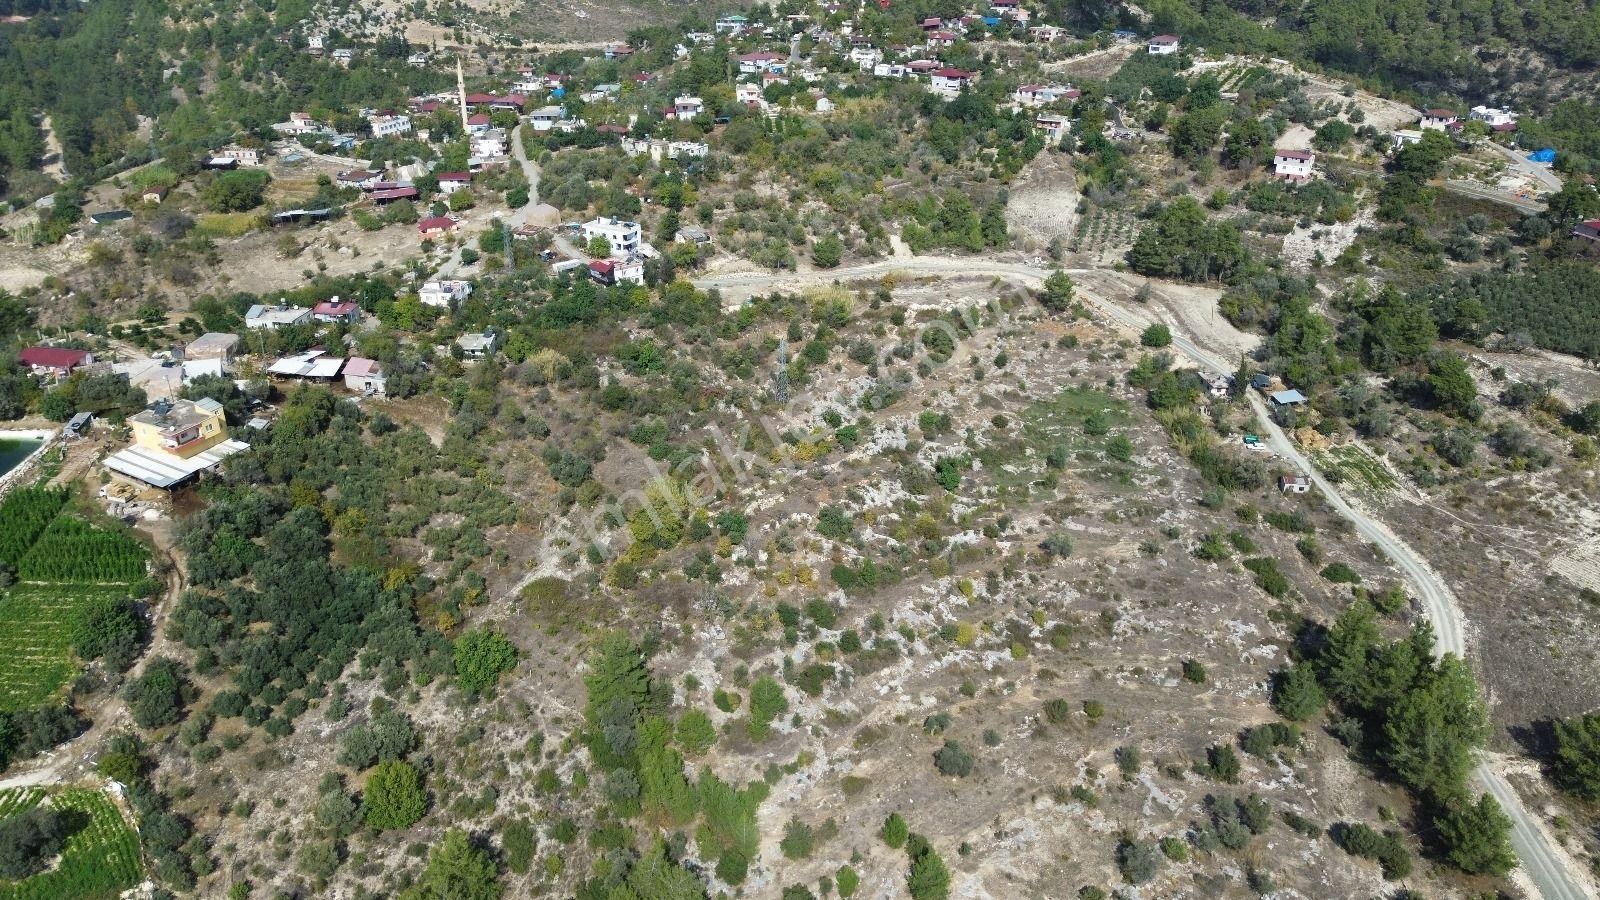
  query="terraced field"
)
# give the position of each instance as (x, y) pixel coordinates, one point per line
(101, 860)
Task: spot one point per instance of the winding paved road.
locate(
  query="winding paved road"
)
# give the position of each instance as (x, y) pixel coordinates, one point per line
(1546, 867)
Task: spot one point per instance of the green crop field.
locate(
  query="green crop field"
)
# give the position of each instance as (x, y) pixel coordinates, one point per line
(36, 639)
(101, 860)
(1350, 464)
(73, 550)
(24, 515)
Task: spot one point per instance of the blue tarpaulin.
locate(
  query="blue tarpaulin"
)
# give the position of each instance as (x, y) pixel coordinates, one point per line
(1546, 155)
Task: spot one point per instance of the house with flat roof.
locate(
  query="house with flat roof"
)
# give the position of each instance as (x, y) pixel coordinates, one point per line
(443, 293)
(173, 441)
(273, 317)
(478, 345)
(215, 345)
(624, 237)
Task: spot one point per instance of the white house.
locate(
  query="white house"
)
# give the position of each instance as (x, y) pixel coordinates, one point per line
(545, 117)
(687, 107)
(442, 293)
(1439, 119)
(761, 61)
(1035, 95)
(824, 105)
(732, 24)
(1163, 44)
(747, 93)
(389, 126)
(1494, 118)
(299, 123)
(1403, 137)
(889, 70)
(244, 156)
(1047, 34)
(1293, 165)
(450, 182)
(941, 39)
(490, 145)
(270, 317)
(624, 237)
(865, 57)
(687, 149)
(948, 83)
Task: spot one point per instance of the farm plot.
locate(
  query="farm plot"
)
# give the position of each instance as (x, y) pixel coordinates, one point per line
(1352, 465)
(24, 515)
(101, 860)
(1103, 229)
(75, 551)
(36, 622)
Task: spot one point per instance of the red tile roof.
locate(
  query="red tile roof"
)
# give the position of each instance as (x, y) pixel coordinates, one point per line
(435, 223)
(329, 308)
(1296, 154)
(952, 73)
(53, 357)
(398, 193)
(455, 176)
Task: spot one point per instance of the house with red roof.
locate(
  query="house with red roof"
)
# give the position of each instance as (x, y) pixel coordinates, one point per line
(436, 226)
(761, 61)
(1440, 119)
(335, 310)
(1293, 165)
(450, 182)
(1162, 45)
(617, 271)
(948, 83)
(57, 362)
(941, 39)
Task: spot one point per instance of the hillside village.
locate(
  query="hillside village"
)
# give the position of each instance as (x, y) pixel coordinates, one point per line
(890, 449)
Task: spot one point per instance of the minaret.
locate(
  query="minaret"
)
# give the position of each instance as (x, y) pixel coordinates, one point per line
(461, 96)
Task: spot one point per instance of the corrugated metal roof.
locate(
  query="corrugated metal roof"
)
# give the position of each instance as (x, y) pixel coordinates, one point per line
(163, 470)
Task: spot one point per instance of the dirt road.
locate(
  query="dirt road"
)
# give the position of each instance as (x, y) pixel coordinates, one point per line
(1546, 868)
(518, 217)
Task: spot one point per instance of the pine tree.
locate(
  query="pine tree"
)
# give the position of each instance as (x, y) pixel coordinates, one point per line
(1478, 837)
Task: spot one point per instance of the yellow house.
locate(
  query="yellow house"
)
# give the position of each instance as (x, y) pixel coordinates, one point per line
(181, 428)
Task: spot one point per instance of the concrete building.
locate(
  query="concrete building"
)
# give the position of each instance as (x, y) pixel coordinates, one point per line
(443, 293)
(173, 441)
(624, 237)
(273, 317)
(1162, 45)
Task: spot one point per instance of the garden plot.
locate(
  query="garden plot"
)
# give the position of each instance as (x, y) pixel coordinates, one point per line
(36, 622)
(1350, 464)
(101, 860)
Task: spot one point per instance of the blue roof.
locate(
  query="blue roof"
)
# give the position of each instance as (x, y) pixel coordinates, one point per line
(1543, 156)
(991, 20)
(1290, 396)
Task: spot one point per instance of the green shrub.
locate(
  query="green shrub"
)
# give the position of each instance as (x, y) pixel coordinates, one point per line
(894, 831)
(394, 797)
(952, 759)
(1339, 573)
